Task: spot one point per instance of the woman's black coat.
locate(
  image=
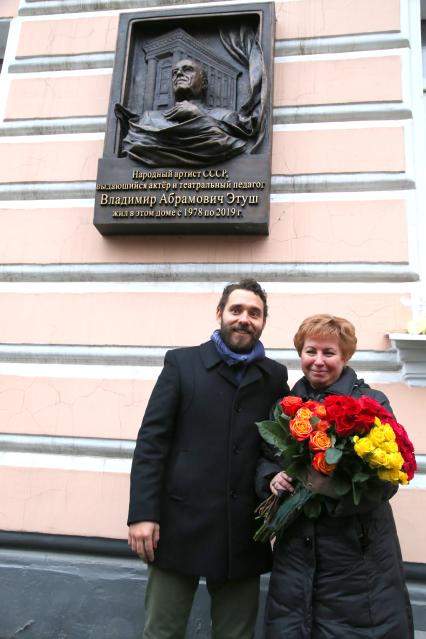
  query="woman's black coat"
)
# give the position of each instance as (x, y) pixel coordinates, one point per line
(339, 576)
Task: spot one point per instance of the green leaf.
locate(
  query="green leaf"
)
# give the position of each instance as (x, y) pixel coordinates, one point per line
(333, 455)
(340, 485)
(290, 508)
(314, 421)
(361, 477)
(296, 468)
(283, 420)
(356, 493)
(273, 433)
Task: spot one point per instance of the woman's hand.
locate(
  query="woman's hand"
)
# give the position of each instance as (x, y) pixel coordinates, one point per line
(281, 482)
(319, 483)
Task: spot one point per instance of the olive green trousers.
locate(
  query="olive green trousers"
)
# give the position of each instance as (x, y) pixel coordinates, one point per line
(169, 597)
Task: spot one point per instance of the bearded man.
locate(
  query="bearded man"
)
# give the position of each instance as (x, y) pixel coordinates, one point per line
(192, 497)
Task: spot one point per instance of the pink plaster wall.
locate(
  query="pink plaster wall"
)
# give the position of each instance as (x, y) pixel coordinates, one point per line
(59, 407)
(150, 319)
(53, 97)
(113, 408)
(64, 502)
(310, 18)
(408, 507)
(45, 161)
(408, 403)
(293, 153)
(70, 36)
(370, 231)
(9, 8)
(303, 19)
(337, 81)
(295, 83)
(338, 150)
(95, 504)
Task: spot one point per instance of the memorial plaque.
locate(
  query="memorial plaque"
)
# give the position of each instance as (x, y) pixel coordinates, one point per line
(188, 139)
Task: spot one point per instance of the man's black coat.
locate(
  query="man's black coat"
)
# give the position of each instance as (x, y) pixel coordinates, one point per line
(195, 460)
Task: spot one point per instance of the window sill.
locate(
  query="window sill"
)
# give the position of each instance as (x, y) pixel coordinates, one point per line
(412, 355)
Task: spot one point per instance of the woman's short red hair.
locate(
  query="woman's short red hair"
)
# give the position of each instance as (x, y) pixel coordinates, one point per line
(323, 325)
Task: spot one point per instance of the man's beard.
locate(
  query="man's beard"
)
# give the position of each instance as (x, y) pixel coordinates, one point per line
(227, 333)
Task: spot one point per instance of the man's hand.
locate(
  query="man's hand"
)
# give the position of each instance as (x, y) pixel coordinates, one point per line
(143, 539)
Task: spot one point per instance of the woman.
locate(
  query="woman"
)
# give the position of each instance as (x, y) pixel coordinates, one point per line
(341, 575)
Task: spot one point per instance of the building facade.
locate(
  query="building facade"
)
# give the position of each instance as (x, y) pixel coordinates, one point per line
(86, 319)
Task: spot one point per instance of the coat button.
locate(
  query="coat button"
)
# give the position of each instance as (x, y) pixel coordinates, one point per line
(235, 450)
(233, 494)
(238, 409)
(308, 541)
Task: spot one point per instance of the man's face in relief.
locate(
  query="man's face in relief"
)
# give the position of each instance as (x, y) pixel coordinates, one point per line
(187, 79)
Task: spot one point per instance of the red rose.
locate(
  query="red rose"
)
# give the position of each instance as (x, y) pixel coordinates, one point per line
(342, 412)
(312, 405)
(352, 416)
(405, 447)
(321, 466)
(290, 405)
(320, 411)
(323, 425)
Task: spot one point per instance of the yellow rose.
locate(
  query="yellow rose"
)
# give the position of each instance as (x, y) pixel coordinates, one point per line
(378, 458)
(388, 433)
(403, 478)
(389, 475)
(389, 447)
(363, 446)
(394, 460)
(377, 436)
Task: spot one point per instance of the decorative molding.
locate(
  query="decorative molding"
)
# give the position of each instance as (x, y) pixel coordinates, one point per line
(341, 44)
(49, 126)
(154, 356)
(208, 272)
(33, 64)
(105, 449)
(80, 446)
(46, 190)
(68, 544)
(332, 182)
(321, 183)
(341, 113)
(412, 354)
(49, 7)
(281, 115)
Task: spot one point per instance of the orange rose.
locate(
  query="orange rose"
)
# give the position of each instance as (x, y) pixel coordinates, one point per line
(300, 429)
(323, 425)
(304, 413)
(290, 405)
(320, 465)
(319, 440)
(320, 411)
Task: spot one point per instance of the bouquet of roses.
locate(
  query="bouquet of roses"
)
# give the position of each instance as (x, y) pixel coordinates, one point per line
(355, 442)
